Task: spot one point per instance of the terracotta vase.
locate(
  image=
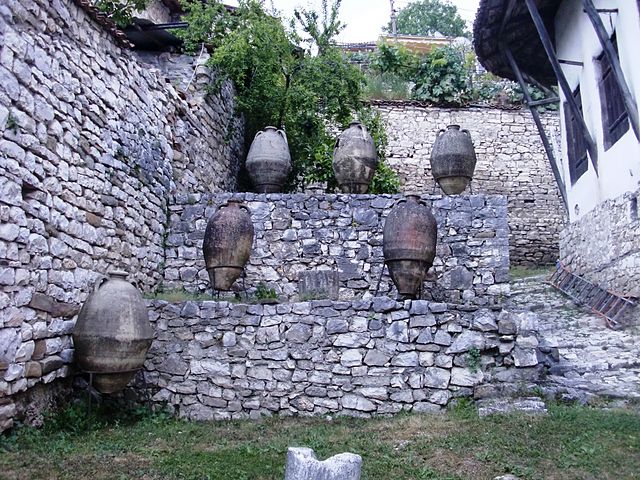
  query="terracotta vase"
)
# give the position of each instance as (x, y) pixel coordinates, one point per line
(227, 244)
(112, 334)
(453, 159)
(269, 161)
(354, 159)
(409, 244)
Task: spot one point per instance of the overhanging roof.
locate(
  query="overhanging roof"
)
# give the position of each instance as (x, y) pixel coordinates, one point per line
(508, 22)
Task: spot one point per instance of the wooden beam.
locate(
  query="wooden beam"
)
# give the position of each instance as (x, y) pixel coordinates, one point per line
(544, 101)
(536, 118)
(562, 81)
(529, 79)
(571, 62)
(610, 52)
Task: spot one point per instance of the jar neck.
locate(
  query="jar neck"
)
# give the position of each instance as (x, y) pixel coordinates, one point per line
(121, 274)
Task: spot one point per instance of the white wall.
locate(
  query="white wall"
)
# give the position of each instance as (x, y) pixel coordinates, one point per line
(618, 167)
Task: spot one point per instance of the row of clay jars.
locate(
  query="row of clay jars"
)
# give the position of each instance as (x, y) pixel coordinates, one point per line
(354, 160)
(453, 160)
(409, 244)
(113, 334)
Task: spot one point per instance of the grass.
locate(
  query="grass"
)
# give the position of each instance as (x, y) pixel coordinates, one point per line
(570, 443)
(518, 272)
(178, 295)
(182, 295)
(387, 87)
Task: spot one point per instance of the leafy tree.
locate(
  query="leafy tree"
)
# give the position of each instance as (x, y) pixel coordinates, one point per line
(321, 31)
(209, 23)
(426, 17)
(396, 59)
(442, 78)
(121, 11)
(278, 84)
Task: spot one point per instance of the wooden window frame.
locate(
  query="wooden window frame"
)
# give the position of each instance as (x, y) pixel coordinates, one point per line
(576, 143)
(615, 123)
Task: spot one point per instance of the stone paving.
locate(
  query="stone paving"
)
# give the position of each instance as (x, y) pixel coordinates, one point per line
(595, 361)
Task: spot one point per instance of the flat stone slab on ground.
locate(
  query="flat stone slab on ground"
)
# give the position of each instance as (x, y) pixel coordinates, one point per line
(492, 406)
(302, 464)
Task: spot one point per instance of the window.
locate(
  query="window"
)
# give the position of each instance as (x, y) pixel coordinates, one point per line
(615, 118)
(576, 144)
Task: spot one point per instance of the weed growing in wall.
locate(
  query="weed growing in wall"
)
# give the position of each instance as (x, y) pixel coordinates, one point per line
(12, 123)
(473, 359)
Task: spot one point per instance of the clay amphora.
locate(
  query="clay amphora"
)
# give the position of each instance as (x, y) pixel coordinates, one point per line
(453, 159)
(409, 244)
(269, 160)
(112, 334)
(354, 159)
(227, 244)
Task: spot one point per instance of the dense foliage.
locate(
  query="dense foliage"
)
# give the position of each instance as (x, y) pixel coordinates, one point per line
(279, 83)
(442, 78)
(446, 76)
(428, 17)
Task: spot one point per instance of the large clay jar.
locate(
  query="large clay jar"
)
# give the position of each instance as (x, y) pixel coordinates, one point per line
(453, 159)
(112, 334)
(354, 159)
(227, 244)
(269, 160)
(409, 244)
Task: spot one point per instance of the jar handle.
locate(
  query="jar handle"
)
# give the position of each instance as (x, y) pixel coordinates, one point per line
(466, 131)
(284, 135)
(258, 134)
(136, 284)
(440, 132)
(99, 282)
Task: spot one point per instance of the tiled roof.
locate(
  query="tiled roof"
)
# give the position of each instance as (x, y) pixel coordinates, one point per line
(108, 24)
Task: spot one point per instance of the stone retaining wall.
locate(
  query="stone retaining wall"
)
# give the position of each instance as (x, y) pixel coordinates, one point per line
(511, 162)
(93, 142)
(301, 232)
(604, 245)
(215, 360)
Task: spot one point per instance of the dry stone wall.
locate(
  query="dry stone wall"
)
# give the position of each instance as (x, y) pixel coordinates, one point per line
(296, 233)
(604, 245)
(93, 142)
(215, 360)
(511, 162)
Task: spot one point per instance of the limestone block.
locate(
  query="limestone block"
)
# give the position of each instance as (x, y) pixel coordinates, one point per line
(356, 402)
(302, 464)
(467, 340)
(436, 377)
(465, 378)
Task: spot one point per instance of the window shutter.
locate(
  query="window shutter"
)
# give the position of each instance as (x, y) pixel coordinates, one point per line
(615, 118)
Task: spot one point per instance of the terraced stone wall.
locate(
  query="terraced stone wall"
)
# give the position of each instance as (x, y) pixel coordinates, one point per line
(215, 360)
(511, 162)
(298, 233)
(93, 141)
(604, 246)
